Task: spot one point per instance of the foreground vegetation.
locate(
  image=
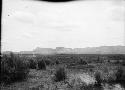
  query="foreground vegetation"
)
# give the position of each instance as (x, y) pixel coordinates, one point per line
(13, 68)
(67, 72)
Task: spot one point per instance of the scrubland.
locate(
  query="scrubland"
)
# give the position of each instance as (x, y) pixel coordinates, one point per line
(62, 72)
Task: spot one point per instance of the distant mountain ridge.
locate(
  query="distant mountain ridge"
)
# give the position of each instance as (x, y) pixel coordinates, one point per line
(88, 50)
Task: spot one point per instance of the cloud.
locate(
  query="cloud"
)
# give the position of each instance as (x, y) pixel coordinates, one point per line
(27, 35)
(66, 28)
(24, 17)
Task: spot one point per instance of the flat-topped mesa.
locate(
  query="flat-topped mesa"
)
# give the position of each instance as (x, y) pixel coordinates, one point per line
(88, 50)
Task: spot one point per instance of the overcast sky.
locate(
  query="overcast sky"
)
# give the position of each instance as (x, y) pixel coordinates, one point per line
(29, 24)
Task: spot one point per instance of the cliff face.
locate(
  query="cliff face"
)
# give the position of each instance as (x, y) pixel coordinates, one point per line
(39, 50)
(88, 50)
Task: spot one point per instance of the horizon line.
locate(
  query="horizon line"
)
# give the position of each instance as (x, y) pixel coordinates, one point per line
(62, 47)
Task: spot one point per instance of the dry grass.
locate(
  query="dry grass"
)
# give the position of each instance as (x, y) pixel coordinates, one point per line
(78, 77)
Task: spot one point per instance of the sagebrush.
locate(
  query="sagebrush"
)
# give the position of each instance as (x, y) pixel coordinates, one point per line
(60, 74)
(13, 68)
(41, 64)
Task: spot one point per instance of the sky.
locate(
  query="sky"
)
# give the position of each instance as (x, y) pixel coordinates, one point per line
(27, 24)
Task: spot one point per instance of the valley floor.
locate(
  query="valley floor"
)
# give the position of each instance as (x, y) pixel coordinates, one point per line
(77, 79)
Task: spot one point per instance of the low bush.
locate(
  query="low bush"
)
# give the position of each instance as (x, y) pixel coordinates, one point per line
(57, 62)
(120, 74)
(32, 64)
(110, 74)
(41, 64)
(60, 74)
(98, 78)
(13, 68)
(82, 62)
(90, 87)
(48, 62)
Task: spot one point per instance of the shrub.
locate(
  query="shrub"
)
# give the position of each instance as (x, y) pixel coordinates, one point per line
(13, 68)
(120, 74)
(91, 70)
(48, 62)
(60, 74)
(123, 63)
(41, 64)
(90, 87)
(57, 62)
(98, 78)
(32, 64)
(83, 62)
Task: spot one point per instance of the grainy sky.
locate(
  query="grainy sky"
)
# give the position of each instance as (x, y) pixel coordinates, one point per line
(28, 24)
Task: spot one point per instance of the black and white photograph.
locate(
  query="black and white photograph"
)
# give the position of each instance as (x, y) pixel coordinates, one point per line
(62, 45)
